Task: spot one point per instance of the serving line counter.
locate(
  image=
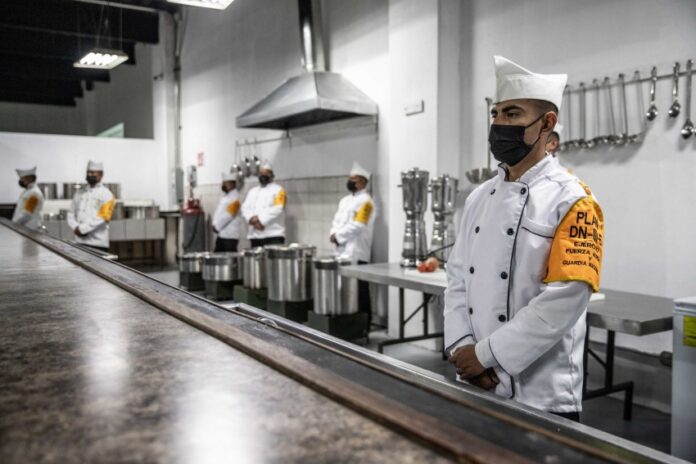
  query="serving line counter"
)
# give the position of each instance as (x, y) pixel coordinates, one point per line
(623, 312)
(99, 363)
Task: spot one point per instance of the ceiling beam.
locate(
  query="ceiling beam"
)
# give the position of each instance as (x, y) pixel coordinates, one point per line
(46, 45)
(20, 97)
(138, 5)
(42, 86)
(48, 68)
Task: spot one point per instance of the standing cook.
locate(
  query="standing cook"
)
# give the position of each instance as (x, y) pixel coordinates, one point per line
(351, 230)
(527, 257)
(264, 210)
(30, 203)
(227, 221)
(91, 209)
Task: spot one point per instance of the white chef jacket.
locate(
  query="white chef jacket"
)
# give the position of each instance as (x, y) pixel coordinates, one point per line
(268, 203)
(353, 225)
(227, 220)
(526, 259)
(29, 208)
(91, 211)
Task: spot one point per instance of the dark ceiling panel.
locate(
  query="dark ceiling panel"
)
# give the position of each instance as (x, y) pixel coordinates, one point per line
(25, 97)
(42, 86)
(80, 19)
(12, 65)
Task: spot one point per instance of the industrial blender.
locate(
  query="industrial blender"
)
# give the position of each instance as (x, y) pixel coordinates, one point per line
(443, 192)
(414, 186)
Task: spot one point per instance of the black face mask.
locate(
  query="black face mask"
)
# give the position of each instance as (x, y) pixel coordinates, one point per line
(21, 184)
(351, 185)
(507, 142)
(264, 180)
(225, 189)
(91, 180)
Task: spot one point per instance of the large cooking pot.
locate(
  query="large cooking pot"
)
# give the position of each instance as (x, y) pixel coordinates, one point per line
(254, 267)
(289, 272)
(119, 211)
(222, 267)
(71, 188)
(142, 212)
(49, 190)
(333, 293)
(114, 188)
(192, 262)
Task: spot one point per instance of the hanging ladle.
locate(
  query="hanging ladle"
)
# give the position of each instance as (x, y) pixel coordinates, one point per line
(688, 128)
(623, 137)
(598, 138)
(652, 111)
(566, 108)
(613, 138)
(582, 141)
(676, 107)
(638, 136)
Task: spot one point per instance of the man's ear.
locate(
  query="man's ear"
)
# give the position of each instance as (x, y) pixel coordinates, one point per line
(550, 120)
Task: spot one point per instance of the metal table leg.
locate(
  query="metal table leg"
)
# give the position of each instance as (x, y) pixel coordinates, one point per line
(404, 320)
(608, 365)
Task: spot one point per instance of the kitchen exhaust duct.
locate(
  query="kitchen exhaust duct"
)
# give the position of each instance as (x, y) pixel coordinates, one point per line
(315, 96)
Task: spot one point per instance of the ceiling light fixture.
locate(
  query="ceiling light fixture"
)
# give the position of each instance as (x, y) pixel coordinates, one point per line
(216, 4)
(100, 58)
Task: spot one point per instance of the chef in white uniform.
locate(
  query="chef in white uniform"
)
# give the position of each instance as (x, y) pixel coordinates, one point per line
(527, 257)
(264, 210)
(227, 220)
(91, 209)
(31, 200)
(352, 227)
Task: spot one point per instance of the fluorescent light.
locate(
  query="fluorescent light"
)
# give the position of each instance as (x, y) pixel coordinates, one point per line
(217, 4)
(99, 58)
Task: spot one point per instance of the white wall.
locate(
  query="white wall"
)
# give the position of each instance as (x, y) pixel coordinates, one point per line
(644, 190)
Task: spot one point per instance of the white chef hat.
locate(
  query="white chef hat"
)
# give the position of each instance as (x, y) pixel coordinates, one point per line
(95, 166)
(229, 176)
(26, 172)
(558, 129)
(265, 164)
(358, 170)
(513, 82)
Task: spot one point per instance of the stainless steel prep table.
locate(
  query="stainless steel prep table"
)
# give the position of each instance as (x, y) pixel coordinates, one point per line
(623, 312)
(101, 363)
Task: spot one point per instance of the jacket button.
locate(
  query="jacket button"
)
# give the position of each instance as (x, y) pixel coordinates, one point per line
(510, 231)
(471, 310)
(523, 191)
(492, 191)
(503, 275)
(502, 318)
(477, 229)
(471, 270)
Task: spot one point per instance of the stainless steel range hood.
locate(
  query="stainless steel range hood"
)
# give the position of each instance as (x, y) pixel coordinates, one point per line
(313, 97)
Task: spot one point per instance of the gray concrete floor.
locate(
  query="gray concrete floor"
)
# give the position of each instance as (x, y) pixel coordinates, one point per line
(648, 427)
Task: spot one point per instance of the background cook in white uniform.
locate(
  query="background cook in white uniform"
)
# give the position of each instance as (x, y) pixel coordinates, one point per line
(30, 203)
(91, 209)
(227, 220)
(264, 209)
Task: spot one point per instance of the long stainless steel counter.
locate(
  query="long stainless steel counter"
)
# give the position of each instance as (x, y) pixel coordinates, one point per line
(101, 363)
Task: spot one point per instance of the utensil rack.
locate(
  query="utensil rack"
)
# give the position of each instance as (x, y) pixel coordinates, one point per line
(576, 119)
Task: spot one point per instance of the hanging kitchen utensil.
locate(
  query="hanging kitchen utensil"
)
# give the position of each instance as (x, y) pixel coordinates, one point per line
(623, 137)
(571, 143)
(652, 111)
(480, 175)
(676, 107)
(638, 136)
(582, 141)
(688, 128)
(598, 138)
(563, 146)
(612, 138)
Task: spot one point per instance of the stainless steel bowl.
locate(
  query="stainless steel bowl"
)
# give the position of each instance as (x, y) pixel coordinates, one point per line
(49, 190)
(289, 272)
(254, 267)
(333, 293)
(222, 267)
(142, 212)
(192, 262)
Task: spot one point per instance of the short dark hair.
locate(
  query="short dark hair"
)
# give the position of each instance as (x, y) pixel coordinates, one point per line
(545, 106)
(32, 177)
(553, 135)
